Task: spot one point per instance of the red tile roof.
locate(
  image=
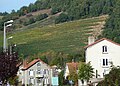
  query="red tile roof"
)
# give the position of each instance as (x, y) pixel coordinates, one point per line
(100, 41)
(32, 63)
(73, 66)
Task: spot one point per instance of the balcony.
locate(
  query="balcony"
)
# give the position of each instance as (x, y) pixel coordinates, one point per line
(39, 75)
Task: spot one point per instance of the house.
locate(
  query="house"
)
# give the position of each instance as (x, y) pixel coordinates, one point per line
(69, 68)
(101, 54)
(36, 73)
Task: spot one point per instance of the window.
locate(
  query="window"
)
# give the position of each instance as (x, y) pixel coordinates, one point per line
(105, 62)
(44, 71)
(31, 72)
(31, 81)
(38, 64)
(104, 49)
(46, 80)
(38, 72)
(39, 80)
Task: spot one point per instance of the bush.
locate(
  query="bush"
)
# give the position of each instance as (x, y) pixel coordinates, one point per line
(61, 18)
(55, 10)
(31, 20)
(41, 17)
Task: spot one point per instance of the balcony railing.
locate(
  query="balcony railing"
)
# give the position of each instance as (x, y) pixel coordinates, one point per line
(39, 75)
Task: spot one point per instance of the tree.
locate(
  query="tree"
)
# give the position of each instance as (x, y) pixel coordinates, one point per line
(41, 16)
(85, 72)
(8, 66)
(58, 60)
(73, 76)
(55, 10)
(31, 20)
(111, 79)
(13, 80)
(72, 9)
(112, 26)
(62, 18)
(61, 78)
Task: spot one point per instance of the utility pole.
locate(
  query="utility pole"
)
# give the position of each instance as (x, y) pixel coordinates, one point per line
(6, 24)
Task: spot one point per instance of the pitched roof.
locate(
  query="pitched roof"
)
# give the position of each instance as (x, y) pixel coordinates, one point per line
(100, 41)
(73, 66)
(32, 63)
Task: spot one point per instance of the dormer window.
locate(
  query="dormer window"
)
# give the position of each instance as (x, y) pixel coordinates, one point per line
(104, 49)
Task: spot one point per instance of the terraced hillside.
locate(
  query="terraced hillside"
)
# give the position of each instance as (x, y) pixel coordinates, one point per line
(1, 17)
(67, 37)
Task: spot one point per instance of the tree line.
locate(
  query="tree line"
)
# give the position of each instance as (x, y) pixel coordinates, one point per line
(112, 27)
(71, 9)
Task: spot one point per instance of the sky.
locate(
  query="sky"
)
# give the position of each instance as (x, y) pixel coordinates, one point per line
(9, 5)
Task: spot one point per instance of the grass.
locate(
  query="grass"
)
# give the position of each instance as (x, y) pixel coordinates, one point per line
(67, 37)
(1, 17)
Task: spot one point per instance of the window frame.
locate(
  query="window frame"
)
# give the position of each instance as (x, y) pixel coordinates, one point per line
(31, 81)
(104, 49)
(31, 72)
(38, 64)
(39, 80)
(105, 62)
(39, 72)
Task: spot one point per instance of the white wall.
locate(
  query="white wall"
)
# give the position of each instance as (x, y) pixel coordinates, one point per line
(82, 84)
(94, 55)
(66, 72)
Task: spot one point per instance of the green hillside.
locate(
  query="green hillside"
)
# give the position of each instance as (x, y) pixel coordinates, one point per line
(1, 17)
(70, 10)
(67, 37)
(66, 10)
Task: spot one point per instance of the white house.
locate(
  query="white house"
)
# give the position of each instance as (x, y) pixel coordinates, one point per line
(101, 54)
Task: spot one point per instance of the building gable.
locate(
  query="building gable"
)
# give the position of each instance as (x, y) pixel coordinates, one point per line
(33, 63)
(101, 41)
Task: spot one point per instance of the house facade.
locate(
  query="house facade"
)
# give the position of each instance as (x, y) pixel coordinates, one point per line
(70, 67)
(102, 54)
(36, 73)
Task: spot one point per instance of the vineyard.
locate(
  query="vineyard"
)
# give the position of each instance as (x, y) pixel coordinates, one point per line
(68, 37)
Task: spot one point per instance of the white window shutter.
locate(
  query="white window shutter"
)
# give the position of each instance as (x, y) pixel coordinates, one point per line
(100, 62)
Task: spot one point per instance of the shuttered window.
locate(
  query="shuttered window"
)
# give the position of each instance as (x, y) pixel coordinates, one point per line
(105, 62)
(104, 49)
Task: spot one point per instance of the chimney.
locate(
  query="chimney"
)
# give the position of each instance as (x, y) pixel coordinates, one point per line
(91, 40)
(24, 62)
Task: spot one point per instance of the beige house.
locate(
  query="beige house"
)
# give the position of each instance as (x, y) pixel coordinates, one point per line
(36, 73)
